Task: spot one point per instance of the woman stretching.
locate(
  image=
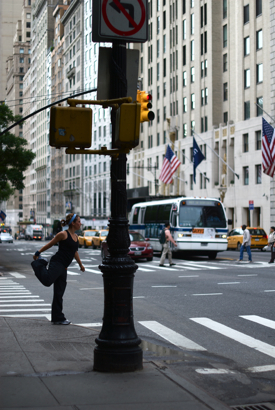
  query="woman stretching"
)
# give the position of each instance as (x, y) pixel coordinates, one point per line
(56, 273)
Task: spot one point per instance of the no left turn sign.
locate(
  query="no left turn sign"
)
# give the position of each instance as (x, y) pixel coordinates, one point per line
(120, 20)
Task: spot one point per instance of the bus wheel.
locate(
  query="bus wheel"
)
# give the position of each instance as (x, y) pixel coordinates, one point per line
(212, 255)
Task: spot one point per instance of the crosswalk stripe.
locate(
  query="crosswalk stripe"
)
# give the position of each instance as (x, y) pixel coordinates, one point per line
(72, 273)
(25, 304)
(199, 265)
(146, 270)
(30, 315)
(171, 336)
(97, 272)
(17, 275)
(161, 268)
(24, 310)
(240, 337)
(260, 320)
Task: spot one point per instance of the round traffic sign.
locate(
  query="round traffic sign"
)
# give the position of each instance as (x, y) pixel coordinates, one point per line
(137, 26)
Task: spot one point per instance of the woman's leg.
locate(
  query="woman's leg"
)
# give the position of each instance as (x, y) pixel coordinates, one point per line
(58, 292)
(41, 272)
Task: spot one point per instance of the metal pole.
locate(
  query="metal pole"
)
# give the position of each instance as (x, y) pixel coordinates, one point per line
(117, 347)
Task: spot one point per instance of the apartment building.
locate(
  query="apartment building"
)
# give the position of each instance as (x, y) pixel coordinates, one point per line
(57, 93)
(206, 64)
(73, 52)
(17, 65)
(96, 168)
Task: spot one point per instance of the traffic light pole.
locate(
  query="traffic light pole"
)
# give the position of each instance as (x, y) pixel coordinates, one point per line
(117, 347)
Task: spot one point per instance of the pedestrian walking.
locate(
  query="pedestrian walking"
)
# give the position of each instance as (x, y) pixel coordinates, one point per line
(246, 244)
(56, 273)
(271, 240)
(166, 248)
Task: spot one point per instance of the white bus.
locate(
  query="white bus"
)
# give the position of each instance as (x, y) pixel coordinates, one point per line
(198, 225)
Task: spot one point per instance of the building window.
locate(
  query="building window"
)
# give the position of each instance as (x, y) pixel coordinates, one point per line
(247, 46)
(184, 55)
(258, 7)
(260, 73)
(245, 143)
(192, 74)
(205, 68)
(28, 15)
(185, 104)
(192, 101)
(164, 67)
(21, 60)
(224, 9)
(247, 110)
(192, 126)
(205, 128)
(206, 96)
(192, 23)
(225, 36)
(184, 131)
(184, 30)
(246, 175)
(225, 117)
(224, 59)
(183, 157)
(202, 124)
(258, 174)
(192, 50)
(192, 3)
(260, 105)
(184, 79)
(205, 41)
(225, 91)
(28, 34)
(21, 50)
(258, 140)
(164, 20)
(246, 14)
(247, 78)
(259, 39)
(164, 89)
(202, 98)
(202, 69)
(191, 182)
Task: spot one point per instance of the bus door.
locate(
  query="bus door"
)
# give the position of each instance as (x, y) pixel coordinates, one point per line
(141, 220)
(174, 222)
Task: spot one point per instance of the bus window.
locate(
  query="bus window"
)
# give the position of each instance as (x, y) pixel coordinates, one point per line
(174, 219)
(164, 213)
(135, 216)
(151, 214)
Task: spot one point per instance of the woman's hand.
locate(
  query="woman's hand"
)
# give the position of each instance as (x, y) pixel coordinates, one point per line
(82, 268)
(35, 257)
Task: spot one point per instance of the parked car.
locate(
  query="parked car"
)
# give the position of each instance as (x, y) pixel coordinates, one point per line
(21, 236)
(99, 237)
(6, 237)
(140, 248)
(86, 238)
(259, 238)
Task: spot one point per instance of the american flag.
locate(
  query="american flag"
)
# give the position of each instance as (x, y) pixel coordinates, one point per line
(268, 149)
(169, 166)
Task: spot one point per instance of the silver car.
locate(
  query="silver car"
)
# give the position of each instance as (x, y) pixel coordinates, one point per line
(6, 237)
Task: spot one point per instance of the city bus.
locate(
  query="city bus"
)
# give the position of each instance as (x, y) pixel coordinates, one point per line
(198, 225)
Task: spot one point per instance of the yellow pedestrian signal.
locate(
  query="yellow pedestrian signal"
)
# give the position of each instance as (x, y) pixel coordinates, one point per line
(71, 127)
(145, 101)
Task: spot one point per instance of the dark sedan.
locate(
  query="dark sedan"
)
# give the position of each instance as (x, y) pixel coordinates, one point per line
(140, 248)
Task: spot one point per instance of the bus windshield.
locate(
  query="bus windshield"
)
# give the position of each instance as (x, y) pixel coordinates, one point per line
(208, 215)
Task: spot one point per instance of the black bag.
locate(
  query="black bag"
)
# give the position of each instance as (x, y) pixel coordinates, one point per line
(162, 238)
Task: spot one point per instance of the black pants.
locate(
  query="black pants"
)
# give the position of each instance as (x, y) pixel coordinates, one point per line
(272, 257)
(56, 274)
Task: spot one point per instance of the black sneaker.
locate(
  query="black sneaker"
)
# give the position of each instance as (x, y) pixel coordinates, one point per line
(63, 322)
(161, 265)
(172, 264)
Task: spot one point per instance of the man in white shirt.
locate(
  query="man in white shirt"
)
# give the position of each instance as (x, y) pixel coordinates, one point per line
(246, 244)
(271, 240)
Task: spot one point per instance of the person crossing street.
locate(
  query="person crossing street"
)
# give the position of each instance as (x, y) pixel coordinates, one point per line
(166, 248)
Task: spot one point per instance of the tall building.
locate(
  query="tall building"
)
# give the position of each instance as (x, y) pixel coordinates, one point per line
(10, 13)
(57, 93)
(74, 49)
(206, 64)
(17, 65)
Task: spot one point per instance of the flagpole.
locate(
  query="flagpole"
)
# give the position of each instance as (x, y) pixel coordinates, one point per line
(264, 111)
(237, 175)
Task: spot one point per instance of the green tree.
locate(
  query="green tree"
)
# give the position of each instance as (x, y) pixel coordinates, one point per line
(14, 157)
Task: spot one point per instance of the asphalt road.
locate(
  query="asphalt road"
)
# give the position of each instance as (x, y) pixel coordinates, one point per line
(212, 321)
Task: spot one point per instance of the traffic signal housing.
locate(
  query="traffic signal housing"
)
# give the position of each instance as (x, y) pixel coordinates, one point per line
(127, 126)
(71, 127)
(145, 100)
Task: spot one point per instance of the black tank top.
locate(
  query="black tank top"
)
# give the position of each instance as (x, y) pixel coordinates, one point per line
(66, 251)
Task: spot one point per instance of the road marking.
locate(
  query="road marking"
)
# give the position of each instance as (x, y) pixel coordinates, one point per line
(160, 267)
(146, 270)
(269, 290)
(164, 286)
(260, 320)
(30, 315)
(23, 292)
(229, 283)
(214, 371)
(199, 265)
(97, 272)
(72, 273)
(24, 310)
(8, 287)
(14, 297)
(189, 276)
(253, 274)
(207, 294)
(171, 336)
(24, 305)
(89, 288)
(88, 324)
(262, 369)
(242, 338)
(17, 275)
(138, 297)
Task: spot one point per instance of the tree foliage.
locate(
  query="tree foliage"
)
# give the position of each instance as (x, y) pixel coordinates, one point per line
(14, 157)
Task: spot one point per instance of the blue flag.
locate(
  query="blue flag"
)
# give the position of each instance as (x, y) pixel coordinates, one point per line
(2, 215)
(197, 157)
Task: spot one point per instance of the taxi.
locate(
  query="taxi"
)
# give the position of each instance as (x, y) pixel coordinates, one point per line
(99, 237)
(259, 238)
(86, 238)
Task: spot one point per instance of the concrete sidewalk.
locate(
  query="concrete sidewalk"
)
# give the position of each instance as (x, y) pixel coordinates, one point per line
(51, 367)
